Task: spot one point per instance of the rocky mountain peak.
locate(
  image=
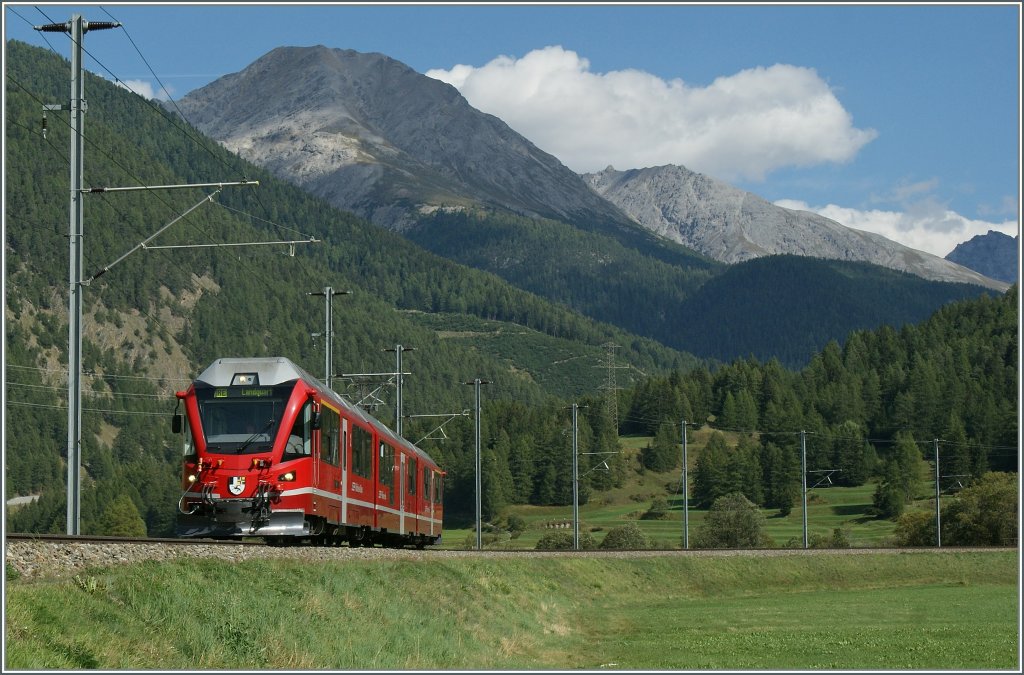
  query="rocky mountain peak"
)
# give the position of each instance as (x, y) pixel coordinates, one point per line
(732, 225)
(373, 136)
(993, 254)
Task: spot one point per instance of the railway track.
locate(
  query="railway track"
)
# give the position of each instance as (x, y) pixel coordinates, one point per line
(91, 539)
(53, 555)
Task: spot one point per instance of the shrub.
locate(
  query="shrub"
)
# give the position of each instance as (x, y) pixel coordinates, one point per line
(658, 510)
(516, 524)
(984, 514)
(628, 536)
(840, 539)
(562, 541)
(916, 528)
(733, 522)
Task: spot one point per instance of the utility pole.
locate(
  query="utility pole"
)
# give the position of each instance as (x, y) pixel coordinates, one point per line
(77, 27)
(575, 479)
(938, 511)
(329, 294)
(398, 349)
(686, 495)
(479, 511)
(803, 478)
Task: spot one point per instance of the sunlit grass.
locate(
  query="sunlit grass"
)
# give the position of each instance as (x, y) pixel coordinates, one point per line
(923, 610)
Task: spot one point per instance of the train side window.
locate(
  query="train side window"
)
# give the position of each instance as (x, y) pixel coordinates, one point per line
(344, 444)
(329, 436)
(410, 476)
(300, 439)
(426, 483)
(362, 449)
(438, 488)
(386, 470)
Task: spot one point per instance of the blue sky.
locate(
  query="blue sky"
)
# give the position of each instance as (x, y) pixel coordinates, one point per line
(899, 119)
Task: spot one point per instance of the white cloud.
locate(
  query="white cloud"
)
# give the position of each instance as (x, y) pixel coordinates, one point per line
(739, 127)
(144, 88)
(926, 226)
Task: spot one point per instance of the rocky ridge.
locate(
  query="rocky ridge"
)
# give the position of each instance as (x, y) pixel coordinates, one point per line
(731, 225)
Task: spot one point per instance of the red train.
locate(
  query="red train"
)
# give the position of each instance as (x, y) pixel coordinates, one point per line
(270, 452)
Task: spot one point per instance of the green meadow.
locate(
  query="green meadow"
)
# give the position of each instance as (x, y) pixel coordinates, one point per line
(831, 610)
(829, 507)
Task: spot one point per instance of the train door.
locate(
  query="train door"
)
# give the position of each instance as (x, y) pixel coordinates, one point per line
(386, 497)
(410, 494)
(401, 493)
(328, 478)
(427, 503)
(359, 486)
(345, 461)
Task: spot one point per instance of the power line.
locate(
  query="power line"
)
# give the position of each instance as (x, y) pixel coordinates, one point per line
(99, 410)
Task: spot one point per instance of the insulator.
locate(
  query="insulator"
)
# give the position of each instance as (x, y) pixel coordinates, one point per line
(101, 25)
(54, 28)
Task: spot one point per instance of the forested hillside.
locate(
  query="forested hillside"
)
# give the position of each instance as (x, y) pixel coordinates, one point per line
(789, 307)
(157, 318)
(872, 410)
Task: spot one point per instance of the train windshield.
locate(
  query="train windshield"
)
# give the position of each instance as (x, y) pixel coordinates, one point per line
(241, 420)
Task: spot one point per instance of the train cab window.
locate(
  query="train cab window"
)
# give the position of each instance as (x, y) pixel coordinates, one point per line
(188, 448)
(300, 438)
(426, 483)
(362, 452)
(438, 488)
(410, 476)
(329, 428)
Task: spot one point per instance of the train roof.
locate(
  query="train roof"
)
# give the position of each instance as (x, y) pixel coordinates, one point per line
(273, 370)
(270, 370)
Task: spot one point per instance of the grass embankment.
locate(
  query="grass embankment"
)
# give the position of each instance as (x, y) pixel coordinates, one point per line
(920, 610)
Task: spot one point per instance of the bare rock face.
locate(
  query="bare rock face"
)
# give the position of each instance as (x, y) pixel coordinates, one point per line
(993, 254)
(731, 225)
(375, 137)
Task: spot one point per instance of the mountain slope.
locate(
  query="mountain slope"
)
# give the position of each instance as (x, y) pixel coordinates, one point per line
(731, 225)
(373, 136)
(996, 255)
(789, 307)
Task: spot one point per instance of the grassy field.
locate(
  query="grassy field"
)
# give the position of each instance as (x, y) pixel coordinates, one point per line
(921, 610)
(828, 508)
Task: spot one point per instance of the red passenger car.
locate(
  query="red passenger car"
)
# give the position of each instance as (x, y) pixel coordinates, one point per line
(270, 452)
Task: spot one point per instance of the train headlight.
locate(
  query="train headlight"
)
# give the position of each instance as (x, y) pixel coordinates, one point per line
(287, 477)
(191, 478)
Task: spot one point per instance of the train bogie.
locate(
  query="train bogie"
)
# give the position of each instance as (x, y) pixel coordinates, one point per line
(269, 452)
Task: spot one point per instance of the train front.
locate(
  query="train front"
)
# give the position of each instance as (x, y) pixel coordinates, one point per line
(247, 451)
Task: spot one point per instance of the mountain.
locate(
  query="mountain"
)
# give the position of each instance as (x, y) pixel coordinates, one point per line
(372, 136)
(996, 255)
(732, 225)
(785, 306)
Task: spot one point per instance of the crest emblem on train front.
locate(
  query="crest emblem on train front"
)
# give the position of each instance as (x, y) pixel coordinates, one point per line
(236, 485)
